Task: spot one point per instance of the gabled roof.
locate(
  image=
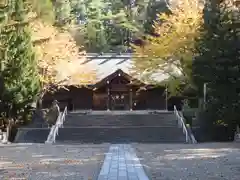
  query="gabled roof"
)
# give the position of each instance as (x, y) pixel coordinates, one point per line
(119, 72)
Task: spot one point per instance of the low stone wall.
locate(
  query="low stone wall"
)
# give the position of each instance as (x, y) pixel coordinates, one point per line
(32, 135)
(216, 134)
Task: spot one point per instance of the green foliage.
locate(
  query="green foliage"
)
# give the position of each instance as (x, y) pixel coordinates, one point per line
(62, 10)
(217, 62)
(44, 9)
(93, 30)
(19, 71)
(108, 25)
(154, 7)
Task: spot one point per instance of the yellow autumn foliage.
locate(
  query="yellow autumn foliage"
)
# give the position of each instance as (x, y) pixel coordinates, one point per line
(59, 59)
(174, 45)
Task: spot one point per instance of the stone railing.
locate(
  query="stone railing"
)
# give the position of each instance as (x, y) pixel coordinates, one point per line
(237, 134)
(54, 129)
(189, 137)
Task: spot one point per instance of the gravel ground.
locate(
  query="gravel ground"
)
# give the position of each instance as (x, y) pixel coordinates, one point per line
(207, 161)
(55, 162)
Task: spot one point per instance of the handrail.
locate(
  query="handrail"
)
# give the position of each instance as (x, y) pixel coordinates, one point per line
(54, 129)
(181, 124)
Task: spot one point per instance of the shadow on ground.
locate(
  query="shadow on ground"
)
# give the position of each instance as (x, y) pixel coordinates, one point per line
(39, 161)
(201, 161)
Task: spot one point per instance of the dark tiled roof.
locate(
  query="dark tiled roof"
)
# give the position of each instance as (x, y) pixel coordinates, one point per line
(108, 63)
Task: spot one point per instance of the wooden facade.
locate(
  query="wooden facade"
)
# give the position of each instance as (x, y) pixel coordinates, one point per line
(118, 91)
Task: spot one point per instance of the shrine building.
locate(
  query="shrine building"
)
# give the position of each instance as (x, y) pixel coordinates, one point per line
(115, 88)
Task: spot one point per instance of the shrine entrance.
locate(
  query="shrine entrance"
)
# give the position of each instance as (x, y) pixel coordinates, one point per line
(119, 101)
(116, 92)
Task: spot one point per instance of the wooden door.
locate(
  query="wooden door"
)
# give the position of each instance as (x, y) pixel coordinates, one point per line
(119, 101)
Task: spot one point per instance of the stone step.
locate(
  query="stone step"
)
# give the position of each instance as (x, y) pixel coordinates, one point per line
(98, 134)
(32, 135)
(78, 120)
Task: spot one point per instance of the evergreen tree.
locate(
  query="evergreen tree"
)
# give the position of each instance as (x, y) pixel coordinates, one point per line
(62, 12)
(44, 9)
(109, 25)
(217, 62)
(154, 8)
(19, 66)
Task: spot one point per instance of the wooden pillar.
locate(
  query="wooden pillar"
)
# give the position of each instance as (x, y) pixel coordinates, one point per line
(131, 99)
(108, 99)
(166, 98)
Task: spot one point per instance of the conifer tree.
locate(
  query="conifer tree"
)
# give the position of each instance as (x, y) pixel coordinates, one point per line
(217, 62)
(108, 25)
(62, 12)
(44, 9)
(18, 64)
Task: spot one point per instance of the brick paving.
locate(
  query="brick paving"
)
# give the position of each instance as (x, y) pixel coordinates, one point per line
(207, 161)
(55, 162)
(121, 163)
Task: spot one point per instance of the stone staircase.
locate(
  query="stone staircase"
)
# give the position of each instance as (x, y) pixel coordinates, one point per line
(119, 128)
(126, 120)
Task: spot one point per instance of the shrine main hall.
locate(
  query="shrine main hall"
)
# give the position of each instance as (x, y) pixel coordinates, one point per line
(115, 88)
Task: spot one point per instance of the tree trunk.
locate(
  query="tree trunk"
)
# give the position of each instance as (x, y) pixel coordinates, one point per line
(40, 100)
(39, 103)
(8, 130)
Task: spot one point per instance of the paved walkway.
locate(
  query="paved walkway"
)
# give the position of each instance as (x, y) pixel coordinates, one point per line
(121, 163)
